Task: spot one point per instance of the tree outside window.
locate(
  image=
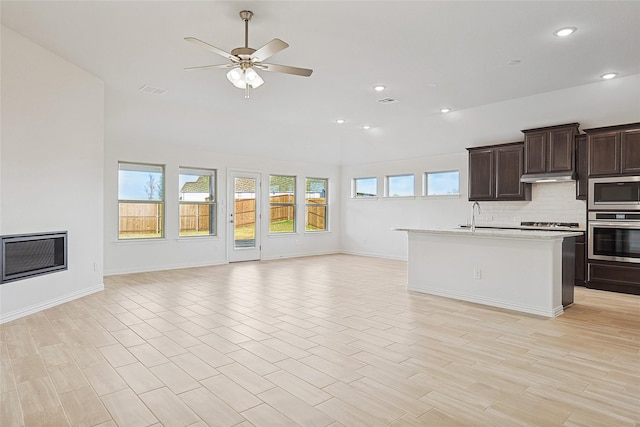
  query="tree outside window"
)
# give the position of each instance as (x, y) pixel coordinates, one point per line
(140, 201)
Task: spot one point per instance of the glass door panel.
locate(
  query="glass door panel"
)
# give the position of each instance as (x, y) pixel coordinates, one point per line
(244, 216)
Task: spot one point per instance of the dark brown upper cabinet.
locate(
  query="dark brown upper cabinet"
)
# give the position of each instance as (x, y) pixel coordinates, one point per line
(582, 167)
(614, 150)
(495, 171)
(550, 149)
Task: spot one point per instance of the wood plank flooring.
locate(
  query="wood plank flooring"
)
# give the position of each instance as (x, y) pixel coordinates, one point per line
(320, 341)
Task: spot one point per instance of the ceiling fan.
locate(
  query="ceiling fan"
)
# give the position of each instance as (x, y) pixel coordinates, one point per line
(244, 59)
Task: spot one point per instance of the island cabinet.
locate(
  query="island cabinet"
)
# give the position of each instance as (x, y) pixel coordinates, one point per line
(581, 261)
(614, 150)
(550, 149)
(495, 171)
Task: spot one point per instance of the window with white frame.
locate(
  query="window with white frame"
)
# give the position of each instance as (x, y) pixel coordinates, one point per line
(316, 204)
(197, 200)
(442, 183)
(140, 201)
(282, 204)
(365, 187)
(400, 185)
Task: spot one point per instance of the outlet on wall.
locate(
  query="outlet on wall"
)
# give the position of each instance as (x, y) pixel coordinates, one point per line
(477, 273)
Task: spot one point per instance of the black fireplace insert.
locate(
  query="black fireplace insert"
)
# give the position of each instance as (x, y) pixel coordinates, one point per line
(27, 255)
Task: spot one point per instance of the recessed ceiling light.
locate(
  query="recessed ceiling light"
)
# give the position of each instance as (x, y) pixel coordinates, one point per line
(445, 110)
(432, 84)
(608, 76)
(564, 32)
(366, 127)
(379, 88)
(340, 121)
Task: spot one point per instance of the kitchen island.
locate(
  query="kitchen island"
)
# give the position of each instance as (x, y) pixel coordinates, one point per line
(524, 270)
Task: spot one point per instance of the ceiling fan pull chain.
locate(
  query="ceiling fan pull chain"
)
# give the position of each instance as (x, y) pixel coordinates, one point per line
(246, 92)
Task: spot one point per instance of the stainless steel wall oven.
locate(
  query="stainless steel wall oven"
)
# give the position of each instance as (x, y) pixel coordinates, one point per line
(614, 236)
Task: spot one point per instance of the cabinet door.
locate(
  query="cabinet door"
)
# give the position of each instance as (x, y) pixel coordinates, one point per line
(481, 175)
(582, 181)
(630, 152)
(535, 144)
(604, 153)
(581, 265)
(509, 165)
(560, 151)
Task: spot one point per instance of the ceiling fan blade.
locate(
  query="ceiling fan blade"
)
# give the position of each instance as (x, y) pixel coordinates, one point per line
(305, 72)
(212, 48)
(269, 49)
(208, 67)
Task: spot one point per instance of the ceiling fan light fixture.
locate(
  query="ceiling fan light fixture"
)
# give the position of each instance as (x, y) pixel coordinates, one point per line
(241, 78)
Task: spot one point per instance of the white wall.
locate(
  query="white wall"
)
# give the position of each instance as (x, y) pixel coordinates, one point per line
(367, 223)
(51, 169)
(174, 252)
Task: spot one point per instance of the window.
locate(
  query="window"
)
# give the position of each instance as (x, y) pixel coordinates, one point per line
(282, 199)
(316, 204)
(140, 201)
(400, 185)
(197, 198)
(365, 187)
(445, 183)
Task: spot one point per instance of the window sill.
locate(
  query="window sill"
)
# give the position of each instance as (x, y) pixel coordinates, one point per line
(442, 196)
(134, 242)
(364, 198)
(189, 239)
(279, 235)
(400, 198)
(317, 232)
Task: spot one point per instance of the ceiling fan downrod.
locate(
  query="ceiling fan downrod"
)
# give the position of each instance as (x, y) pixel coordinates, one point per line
(246, 16)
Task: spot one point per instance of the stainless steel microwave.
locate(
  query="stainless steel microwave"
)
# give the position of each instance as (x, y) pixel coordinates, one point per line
(615, 193)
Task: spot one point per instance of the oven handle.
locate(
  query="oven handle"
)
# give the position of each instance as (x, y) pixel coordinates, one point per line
(632, 225)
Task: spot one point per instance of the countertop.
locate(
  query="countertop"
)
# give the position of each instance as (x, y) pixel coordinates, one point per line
(496, 232)
(524, 227)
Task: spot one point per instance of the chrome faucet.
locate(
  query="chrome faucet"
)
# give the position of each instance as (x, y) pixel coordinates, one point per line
(473, 215)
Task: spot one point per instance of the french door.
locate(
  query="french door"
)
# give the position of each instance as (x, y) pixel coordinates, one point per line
(244, 216)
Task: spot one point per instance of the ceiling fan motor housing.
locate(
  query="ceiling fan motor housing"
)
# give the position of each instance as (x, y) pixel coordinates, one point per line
(243, 52)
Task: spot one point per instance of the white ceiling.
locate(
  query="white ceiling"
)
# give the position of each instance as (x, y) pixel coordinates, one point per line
(462, 47)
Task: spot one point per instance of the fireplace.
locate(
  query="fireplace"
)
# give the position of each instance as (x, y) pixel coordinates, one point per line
(27, 255)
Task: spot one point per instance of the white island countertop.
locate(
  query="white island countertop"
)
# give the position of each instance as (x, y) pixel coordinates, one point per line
(496, 232)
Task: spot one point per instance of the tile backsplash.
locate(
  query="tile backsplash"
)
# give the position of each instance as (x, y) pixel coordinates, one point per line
(549, 202)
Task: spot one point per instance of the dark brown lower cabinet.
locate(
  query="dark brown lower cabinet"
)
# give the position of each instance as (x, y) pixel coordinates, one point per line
(614, 276)
(581, 261)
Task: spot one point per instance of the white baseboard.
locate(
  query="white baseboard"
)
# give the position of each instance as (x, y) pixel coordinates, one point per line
(374, 255)
(160, 268)
(508, 305)
(300, 255)
(16, 314)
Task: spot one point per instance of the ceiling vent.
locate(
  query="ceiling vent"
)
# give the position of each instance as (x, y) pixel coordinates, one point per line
(153, 90)
(387, 101)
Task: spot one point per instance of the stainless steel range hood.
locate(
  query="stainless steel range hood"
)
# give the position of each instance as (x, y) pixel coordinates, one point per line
(549, 177)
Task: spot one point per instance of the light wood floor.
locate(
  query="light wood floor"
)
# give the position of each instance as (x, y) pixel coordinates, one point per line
(331, 340)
